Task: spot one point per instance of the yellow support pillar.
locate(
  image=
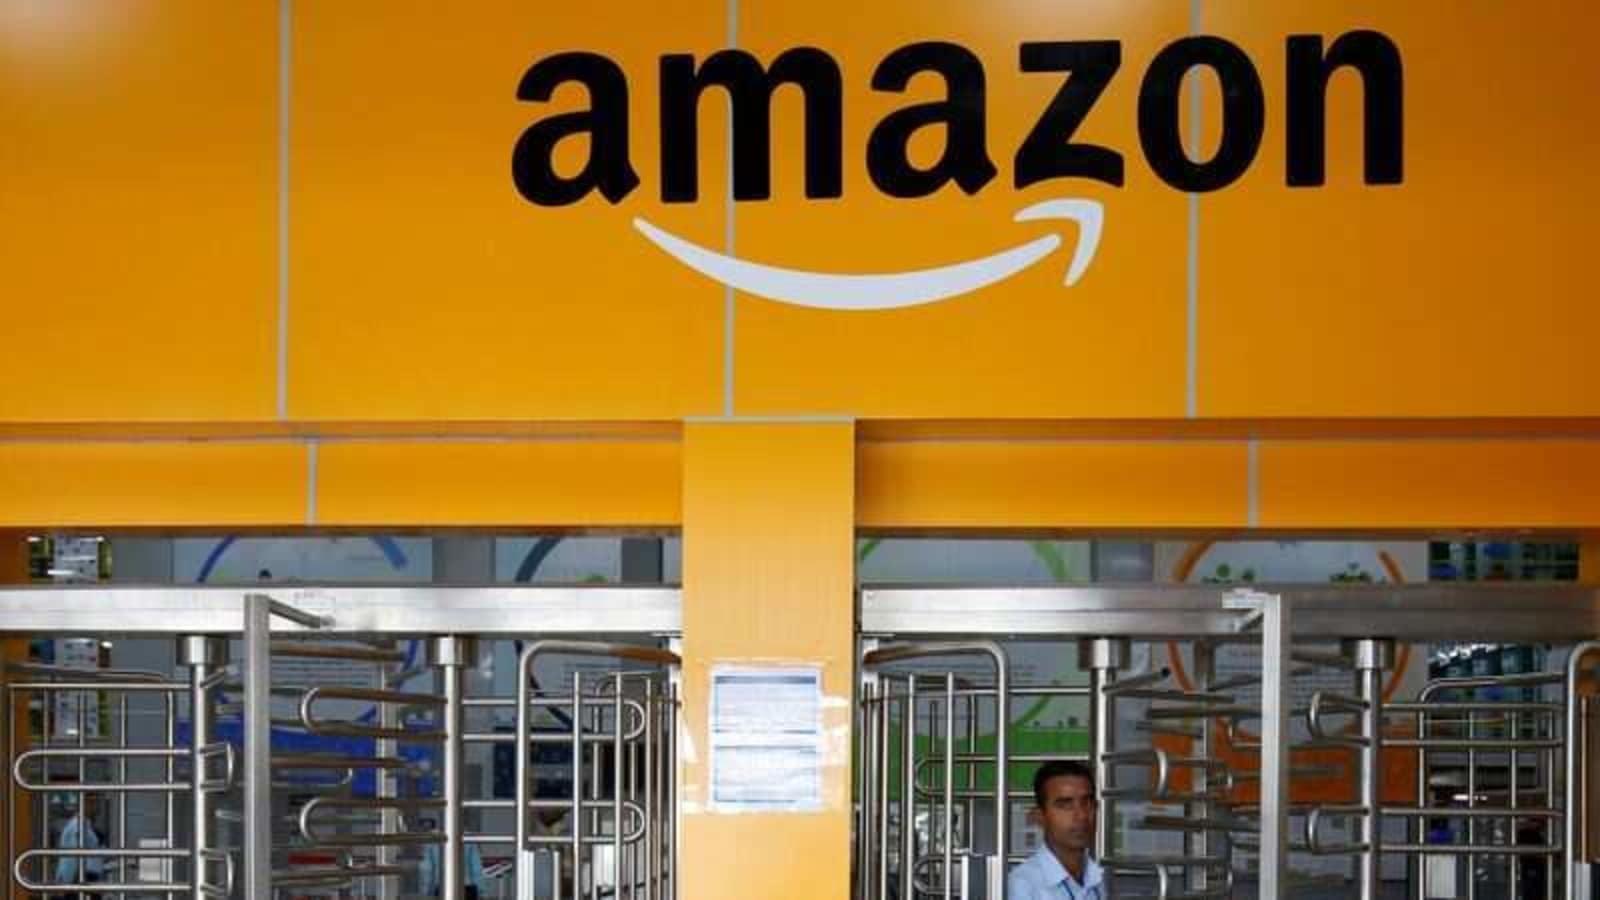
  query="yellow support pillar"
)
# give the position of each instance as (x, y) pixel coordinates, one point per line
(769, 580)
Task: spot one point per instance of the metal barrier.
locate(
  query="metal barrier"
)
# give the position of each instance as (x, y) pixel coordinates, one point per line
(643, 761)
(882, 709)
(933, 763)
(938, 779)
(279, 789)
(35, 772)
(1206, 812)
(1500, 762)
(910, 842)
(1497, 737)
(321, 819)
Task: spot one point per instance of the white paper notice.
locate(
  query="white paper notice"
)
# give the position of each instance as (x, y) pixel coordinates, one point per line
(766, 739)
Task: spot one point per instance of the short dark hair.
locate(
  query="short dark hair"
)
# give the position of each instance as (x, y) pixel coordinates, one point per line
(1059, 768)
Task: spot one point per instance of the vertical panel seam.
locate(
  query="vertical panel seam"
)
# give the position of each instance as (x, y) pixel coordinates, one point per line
(1192, 262)
(1253, 483)
(729, 335)
(311, 480)
(285, 37)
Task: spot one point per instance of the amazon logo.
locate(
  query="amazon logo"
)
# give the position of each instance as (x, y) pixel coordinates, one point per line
(1050, 151)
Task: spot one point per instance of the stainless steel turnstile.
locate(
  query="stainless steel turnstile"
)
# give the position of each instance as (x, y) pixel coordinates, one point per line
(1503, 762)
(356, 776)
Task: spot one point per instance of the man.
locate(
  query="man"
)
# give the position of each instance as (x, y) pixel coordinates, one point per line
(79, 834)
(1065, 810)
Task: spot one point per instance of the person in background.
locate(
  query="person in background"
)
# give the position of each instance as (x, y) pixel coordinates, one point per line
(429, 871)
(1065, 810)
(79, 834)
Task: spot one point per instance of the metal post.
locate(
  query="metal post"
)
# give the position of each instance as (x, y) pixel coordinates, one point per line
(1197, 843)
(1419, 826)
(1002, 771)
(1571, 877)
(577, 783)
(1589, 742)
(596, 779)
(452, 655)
(257, 748)
(1472, 803)
(652, 841)
(9, 841)
(1372, 658)
(202, 656)
(881, 802)
(970, 785)
(1516, 790)
(1275, 697)
(388, 787)
(522, 856)
(663, 777)
(616, 786)
(634, 849)
(83, 774)
(675, 692)
(908, 791)
(670, 767)
(41, 804)
(1103, 657)
(867, 737)
(1549, 779)
(122, 778)
(171, 820)
(948, 873)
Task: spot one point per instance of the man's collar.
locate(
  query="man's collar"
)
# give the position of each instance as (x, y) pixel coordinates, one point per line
(1056, 873)
(1092, 873)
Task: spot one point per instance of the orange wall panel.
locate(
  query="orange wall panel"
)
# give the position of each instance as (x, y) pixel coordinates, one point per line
(423, 286)
(1375, 485)
(1464, 291)
(154, 484)
(576, 484)
(1111, 345)
(140, 250)
(1089, 484)
(138, 238)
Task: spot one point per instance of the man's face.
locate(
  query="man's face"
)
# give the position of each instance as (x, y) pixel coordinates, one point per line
(1068, 813)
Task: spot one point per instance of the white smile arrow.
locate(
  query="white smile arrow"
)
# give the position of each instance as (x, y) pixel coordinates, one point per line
(823, 290)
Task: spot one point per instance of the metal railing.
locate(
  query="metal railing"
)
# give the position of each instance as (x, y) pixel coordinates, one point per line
(47, 770)
(890, 793)
(272, 788)
(632, 717)
(929, 775)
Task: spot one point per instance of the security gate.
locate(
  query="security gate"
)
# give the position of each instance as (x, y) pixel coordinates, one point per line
(348, 743)
(1197, 769)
